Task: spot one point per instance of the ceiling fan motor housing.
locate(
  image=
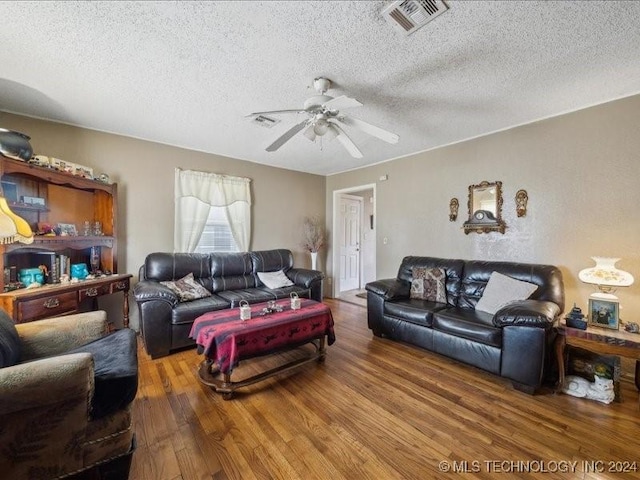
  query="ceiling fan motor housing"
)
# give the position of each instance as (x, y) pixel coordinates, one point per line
(321, 84)
(316, 101)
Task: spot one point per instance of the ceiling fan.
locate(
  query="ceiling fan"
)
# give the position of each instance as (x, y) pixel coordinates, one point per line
(325, 119)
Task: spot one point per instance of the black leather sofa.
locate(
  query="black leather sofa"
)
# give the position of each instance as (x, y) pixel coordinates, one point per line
(165, 322)
(515, 343)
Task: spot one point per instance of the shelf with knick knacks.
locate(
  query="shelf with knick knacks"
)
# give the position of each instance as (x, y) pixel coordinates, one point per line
(58, 208)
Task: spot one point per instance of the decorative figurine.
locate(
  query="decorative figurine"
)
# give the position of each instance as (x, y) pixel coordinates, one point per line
(601, 390)
(521, 202)
(632, 327)
(453, 209)
(575, 318)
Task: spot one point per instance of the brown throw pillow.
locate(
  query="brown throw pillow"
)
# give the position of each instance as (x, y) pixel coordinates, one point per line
(187, 288)
(429, 284)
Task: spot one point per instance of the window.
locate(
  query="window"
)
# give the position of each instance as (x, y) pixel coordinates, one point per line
(213, 212)
(216, 236)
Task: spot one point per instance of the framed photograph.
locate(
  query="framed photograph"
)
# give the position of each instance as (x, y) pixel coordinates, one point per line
(68, 229)
(604, 313)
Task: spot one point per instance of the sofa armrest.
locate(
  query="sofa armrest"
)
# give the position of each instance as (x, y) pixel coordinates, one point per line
(527, 313)
(389, 289)
(46, 382)
(53, 336)
(155, 307)
(304, 277)
(148, 290)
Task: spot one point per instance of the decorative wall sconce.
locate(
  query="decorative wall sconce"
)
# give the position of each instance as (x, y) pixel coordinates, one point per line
(521, 202)
(453, 209)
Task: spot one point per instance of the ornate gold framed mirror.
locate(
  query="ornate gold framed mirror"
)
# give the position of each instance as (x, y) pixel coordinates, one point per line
(485, 208)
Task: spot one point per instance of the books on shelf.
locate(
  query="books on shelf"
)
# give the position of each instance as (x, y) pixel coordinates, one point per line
(55, 265)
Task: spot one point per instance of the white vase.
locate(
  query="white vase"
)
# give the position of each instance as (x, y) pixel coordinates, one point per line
(314, 260)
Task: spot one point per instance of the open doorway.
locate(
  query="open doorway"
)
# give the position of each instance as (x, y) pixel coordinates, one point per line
(354, 240)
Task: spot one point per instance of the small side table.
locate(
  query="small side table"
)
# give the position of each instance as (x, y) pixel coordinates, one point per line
(598, 340)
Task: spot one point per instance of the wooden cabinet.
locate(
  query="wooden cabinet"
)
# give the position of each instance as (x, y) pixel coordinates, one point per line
(68, 199)
(26, 305)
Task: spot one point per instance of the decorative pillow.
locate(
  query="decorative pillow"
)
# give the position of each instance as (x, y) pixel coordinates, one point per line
(501, 290)
(9, 341)
(187, 288)
(429, 284)
(274, 279)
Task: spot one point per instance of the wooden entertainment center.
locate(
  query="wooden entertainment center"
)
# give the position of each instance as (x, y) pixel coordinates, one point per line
(62, 198)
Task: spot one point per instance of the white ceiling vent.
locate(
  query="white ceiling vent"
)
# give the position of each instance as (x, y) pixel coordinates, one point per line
(409, 15)
(265, 121)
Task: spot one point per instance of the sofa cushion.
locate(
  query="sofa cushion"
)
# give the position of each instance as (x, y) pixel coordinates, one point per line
(415, 311)
(233, 282)
(429, 284)
(273, 280)
(477, 273)
(502, 290)
(251, 295)
(230, 264)
(160, 266)
(230, 271)
(9, 341)
(285, 292)
(467, 323)
(271, 260)
(187, 288)
(115, 359)
(187, 312)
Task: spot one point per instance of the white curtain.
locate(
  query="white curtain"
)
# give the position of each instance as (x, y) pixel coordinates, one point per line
(195, 194)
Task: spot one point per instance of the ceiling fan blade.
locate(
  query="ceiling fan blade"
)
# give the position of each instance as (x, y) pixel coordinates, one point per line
(298, 110)
(368, 128)
(341, 102)
(286, 136)
(346, 141)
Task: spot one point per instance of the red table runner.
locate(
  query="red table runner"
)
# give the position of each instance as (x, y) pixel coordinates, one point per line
(226, 339)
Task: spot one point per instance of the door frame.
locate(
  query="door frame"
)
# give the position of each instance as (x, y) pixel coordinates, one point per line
(335, 260)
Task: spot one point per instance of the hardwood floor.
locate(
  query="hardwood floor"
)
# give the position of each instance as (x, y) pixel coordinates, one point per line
(375, 409)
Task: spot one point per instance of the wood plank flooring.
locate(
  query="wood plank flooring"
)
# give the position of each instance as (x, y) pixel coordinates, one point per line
(375, 409)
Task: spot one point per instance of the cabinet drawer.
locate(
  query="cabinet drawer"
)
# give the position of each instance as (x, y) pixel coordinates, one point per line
(92, 292)
(120, 285)
(60, 304)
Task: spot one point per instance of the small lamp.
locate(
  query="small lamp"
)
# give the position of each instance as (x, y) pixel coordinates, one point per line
(12, 227)
(606, 277)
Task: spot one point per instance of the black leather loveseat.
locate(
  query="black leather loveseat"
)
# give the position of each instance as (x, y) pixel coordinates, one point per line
(165, 321)
(515, 342)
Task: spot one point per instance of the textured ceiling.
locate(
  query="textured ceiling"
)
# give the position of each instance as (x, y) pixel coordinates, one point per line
(187, 73)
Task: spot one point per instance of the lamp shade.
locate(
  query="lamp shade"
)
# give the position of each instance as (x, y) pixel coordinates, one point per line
(20, 232)
(605, 274)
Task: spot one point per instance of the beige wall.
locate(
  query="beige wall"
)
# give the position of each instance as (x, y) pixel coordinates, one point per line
(144, 172)
(582, 174)
(581, 170)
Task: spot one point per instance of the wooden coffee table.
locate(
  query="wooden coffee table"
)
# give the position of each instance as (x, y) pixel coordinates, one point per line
(599, 340)
(225, 340)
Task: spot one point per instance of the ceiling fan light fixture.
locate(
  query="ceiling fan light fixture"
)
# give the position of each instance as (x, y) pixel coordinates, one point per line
(310, 133)
(320, 127)
(332, 133)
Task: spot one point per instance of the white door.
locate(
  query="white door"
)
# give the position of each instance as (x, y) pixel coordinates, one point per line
(350, 218)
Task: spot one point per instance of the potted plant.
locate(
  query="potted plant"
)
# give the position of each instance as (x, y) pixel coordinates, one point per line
(313, 238)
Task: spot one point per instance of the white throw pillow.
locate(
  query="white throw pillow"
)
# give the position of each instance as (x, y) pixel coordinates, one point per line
(274, 279)
(501, 290)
